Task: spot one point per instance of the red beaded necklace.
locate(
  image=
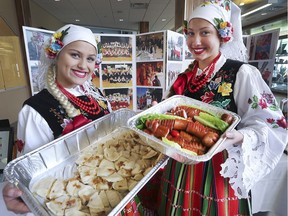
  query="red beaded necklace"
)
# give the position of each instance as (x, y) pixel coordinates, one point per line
(198, 82)
(92, 107)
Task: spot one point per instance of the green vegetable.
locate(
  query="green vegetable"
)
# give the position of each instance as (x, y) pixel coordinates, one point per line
(140, 123)
(189, 152)
(205, 122)
(171, 143)
(213, 120)
(177, 146)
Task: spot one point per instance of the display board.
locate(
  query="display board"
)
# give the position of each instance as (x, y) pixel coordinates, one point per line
(6, 146)
(34, 39)
(175, 56)
(116, 70)
(132, 71)
(261, 49)
(150, 68)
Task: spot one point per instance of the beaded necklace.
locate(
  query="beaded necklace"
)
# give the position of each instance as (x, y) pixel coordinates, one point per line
(91, 106)
(198, 82)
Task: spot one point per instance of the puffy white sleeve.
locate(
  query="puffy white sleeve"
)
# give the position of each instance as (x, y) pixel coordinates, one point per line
(32, 130)
(264, 128)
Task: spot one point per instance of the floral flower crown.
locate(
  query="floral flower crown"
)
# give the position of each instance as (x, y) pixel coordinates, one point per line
(55, 43)
(225, 29)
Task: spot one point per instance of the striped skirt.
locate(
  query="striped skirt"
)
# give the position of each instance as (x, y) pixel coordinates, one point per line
(199, 190)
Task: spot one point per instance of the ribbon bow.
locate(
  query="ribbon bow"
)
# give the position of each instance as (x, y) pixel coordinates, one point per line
(76, 123)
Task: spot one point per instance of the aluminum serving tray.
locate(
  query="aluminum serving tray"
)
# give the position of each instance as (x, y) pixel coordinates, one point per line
(57, 159)
(170, 151)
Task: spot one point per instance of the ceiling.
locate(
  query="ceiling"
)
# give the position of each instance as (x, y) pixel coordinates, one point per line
(159, 13)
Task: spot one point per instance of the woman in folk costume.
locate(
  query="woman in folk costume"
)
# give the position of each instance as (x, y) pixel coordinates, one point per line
(219, 76)
(67, 100)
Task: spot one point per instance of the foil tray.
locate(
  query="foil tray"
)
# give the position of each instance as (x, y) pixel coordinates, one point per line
(57, 159)
(170, 151)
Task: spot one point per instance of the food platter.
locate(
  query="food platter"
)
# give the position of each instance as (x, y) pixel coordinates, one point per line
(58, 160)
(178, 153)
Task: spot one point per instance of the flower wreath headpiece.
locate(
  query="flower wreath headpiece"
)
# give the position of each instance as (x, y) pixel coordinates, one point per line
(56, 43)
(225, 29)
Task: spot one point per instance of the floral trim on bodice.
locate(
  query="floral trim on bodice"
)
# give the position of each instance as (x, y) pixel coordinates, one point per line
(218, 90)
(267, 101)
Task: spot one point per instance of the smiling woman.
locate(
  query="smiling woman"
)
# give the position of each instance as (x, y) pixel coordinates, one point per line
(67, 99)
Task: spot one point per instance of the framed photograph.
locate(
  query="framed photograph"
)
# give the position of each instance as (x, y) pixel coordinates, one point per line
(6, 146)
(149, 46)
(262, 45)
(150, 74)
(116, 75)
(145, 97)
(119, 98)
(116, 48)
(34, 40)
(187, 54)
(173, 69)
(175, 46)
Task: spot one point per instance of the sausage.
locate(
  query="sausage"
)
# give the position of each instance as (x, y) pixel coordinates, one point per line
(191, 111)
(161, 131)
(188, 137)
(197, 129)
(180, 124)
(227, 118)
(210, 139)
(152, 125)
(182, 113)
(196, 147)
(178, 140)
(168, 123)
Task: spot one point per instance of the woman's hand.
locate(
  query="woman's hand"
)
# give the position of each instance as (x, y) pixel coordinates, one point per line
(14, 203)
(232, 137)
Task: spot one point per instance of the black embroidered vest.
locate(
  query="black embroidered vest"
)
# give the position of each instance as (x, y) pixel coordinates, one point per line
(219, 91)
(54, 114)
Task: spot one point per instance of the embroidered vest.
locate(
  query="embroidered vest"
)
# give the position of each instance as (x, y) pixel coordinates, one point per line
(52, 111)
(219, 91)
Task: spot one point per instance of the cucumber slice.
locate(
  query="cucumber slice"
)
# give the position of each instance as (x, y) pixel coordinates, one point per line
(177, 146)
(171, 143)
(189, 152)
(217, 122)
(205, 122)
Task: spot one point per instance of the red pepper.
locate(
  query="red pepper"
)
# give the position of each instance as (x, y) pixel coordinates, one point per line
(174, 133)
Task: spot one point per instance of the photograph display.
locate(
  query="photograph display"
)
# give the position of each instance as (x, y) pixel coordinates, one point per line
(6, 145)
(173, 69)
(145, 97)
(34, 40)
(187, 53)
(266, 69)
(150, 74)
(149, 46)
(261, 49)
(116, 48)
(262, 46)
(175, 46)
(119, 98)
(116, 75)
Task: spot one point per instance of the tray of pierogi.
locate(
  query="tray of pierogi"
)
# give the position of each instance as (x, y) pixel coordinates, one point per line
(95, 170)
(185, 129)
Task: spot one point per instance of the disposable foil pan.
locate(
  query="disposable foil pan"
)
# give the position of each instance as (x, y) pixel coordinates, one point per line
(170, 151)
(58, 159)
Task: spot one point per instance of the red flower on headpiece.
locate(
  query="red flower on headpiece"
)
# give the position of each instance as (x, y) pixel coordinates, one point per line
(56, 43)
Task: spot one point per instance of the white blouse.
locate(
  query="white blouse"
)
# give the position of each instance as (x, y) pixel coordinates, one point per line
(33, 129)
(264, 129)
